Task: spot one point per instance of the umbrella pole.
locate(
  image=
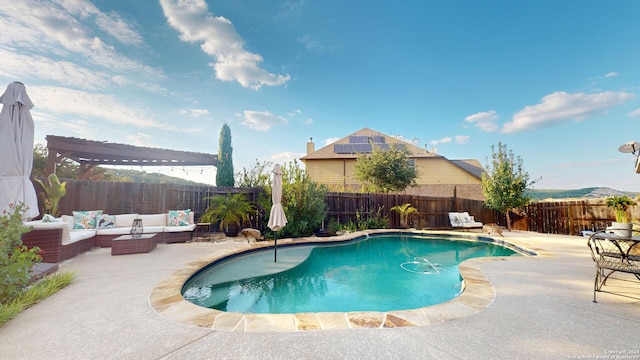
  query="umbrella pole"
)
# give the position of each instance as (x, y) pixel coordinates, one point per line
(275, 249)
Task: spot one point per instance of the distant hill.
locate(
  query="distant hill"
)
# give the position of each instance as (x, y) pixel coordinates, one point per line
(587, 193)
(138, 176)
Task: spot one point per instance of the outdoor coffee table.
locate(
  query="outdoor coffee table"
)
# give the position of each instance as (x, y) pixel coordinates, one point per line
(128, 244)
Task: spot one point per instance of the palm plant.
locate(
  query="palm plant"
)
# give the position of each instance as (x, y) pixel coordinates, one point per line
(232, 211)
(54, 190)
(620, 204)
(405, 211)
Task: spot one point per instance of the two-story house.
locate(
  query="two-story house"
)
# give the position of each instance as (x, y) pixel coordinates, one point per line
(334, 166)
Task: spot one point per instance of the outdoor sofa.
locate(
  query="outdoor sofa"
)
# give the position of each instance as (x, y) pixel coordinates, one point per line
(65, 237)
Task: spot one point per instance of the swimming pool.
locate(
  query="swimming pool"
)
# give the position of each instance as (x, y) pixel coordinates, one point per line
(378, 273)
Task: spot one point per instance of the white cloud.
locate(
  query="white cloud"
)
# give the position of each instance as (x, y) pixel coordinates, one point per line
(110, 23)
(261, 120)
(51, 29)
(485, 121)
(611, 74)
(285, 157)
(312, 45)
(64, 101)
(290, 9)
(309, 121)
(294, 113)
(331, 140)
(561, 107)
(635, 113)
(141, 139)
(218, 38)
(459, 139)
(19, 66)
(444, 140)
(194, 112)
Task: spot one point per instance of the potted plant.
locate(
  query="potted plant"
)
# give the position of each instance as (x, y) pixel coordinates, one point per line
(620, 204)
(232, 211)
(405, 211)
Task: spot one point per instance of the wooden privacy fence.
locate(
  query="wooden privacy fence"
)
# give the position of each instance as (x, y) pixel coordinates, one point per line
(140, 198)
(569, 217)
(560, 217)
(433, 212)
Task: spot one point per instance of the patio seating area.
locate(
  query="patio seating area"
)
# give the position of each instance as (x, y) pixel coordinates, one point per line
(543, 309)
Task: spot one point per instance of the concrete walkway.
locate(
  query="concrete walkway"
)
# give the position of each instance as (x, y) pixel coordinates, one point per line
(543, 310)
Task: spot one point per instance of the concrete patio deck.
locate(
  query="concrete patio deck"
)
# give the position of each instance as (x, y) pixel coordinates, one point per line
(543, 309)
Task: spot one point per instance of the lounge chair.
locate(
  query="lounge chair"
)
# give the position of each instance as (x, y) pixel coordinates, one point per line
(464, 221)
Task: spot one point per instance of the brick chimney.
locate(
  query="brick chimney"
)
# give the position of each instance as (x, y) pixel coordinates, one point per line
(311, 147)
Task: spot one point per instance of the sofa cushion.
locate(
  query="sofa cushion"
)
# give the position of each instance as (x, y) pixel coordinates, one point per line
(152, 229)
(114, 231)
(153, 220)
(105, 221)
(189, 227)
(125, 220)
(178, 217)
(85, 219)
(77, 235)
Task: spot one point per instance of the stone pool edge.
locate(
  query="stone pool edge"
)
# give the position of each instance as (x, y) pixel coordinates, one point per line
(166, 300)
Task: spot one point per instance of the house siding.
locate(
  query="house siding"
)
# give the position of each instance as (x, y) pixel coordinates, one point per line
(442, 171)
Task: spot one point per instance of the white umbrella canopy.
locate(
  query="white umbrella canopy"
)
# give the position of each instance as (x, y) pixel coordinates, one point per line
(277, 218)
(16, 150)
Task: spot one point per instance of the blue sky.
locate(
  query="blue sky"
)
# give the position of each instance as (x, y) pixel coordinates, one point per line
(557, 81)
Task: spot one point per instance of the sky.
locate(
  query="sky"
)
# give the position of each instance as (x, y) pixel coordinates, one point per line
(556, 81)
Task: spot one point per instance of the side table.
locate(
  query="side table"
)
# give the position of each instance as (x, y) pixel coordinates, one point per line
(203, 228)
(127, 244)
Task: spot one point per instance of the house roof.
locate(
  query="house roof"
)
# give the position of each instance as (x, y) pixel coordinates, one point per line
(471, 166)
(328, 152)
(331, 151)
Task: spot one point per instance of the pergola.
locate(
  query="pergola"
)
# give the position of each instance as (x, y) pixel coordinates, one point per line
(89, 154)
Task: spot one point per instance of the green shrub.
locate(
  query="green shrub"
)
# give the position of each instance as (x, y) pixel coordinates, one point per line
(15, 259)
(303, 201)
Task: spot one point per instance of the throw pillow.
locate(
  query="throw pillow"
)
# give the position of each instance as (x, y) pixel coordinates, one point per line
(466, 218)
(178, 217)
(455, 219)
(85, 219)
(49, 218)
(105, 221)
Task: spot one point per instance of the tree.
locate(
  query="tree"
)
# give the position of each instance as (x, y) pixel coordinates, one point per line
(66, 169)
(504, 182)
(224, 174)
(386, 170)
(259, 175)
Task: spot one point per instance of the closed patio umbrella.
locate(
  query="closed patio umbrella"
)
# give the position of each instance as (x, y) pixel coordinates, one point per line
(16, 150)
(277, 218)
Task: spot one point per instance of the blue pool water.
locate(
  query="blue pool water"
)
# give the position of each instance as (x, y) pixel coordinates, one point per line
(380, 273)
